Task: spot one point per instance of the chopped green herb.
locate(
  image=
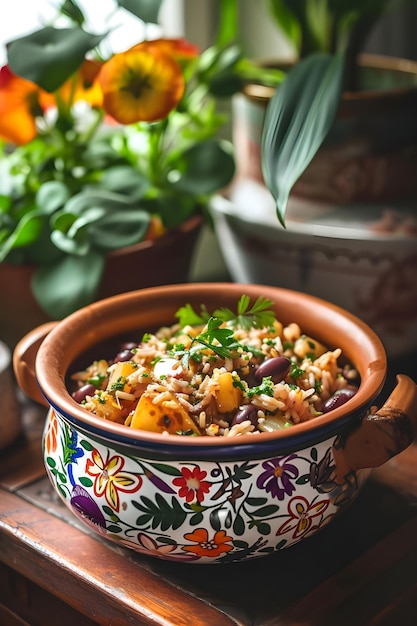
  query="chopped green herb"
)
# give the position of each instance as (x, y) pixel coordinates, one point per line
(295, 371)
(266, 387)
(119, 384)
(96, 380)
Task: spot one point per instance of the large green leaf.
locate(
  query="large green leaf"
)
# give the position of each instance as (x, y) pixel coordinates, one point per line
(207, 167)
(146, 10)
(48, 57)
(69, 284)
(298, 119)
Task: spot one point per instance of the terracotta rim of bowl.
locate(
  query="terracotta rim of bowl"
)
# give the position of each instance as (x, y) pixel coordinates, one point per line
(97, 322)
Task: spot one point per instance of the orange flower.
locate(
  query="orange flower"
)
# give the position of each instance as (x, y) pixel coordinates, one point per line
(141, 85)
(206, 547)
(19, 105)
(179, 49)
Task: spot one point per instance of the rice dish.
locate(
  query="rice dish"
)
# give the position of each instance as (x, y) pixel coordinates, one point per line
(222, 374)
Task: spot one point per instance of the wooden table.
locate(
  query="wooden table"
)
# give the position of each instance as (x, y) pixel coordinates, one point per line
(362, 569)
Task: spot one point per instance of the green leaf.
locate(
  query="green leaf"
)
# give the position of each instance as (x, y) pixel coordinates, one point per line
(26, 232)
(298, 119)
(51, 196)
(145, 10)
(206, 168)
(69, 284)
(126, 180)
(86, 482)
(119, 229)
(48, 57)
(166, 469)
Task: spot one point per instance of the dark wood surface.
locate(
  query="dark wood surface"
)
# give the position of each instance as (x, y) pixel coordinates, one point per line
(361, 569)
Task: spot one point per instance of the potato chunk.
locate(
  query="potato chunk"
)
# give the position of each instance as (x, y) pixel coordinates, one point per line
(166, 416)
(228, 396)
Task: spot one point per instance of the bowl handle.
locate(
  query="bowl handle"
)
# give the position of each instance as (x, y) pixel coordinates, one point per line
(24, 357)
(381, 435)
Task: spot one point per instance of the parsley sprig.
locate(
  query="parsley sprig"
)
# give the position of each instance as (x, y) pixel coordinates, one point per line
(218, 337)
(259, 315)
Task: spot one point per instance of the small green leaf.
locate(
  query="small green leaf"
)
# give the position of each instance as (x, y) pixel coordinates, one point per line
(298, 119)
(86, 482)
(86, 445)
(166, 469)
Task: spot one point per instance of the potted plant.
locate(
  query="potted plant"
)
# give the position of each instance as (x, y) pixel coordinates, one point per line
(103, 153)
(335, 165)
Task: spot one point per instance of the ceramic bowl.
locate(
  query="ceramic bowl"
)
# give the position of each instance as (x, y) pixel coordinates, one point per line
(360, 257)
(208, 499)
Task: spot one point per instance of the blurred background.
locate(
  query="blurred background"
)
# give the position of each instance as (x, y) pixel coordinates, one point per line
(395, 34)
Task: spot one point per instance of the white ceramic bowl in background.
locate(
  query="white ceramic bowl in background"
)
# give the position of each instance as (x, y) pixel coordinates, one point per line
(340, 254)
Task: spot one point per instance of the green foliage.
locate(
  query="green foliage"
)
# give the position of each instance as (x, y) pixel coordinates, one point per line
(81, 187)
(295, 126)
(327, 35)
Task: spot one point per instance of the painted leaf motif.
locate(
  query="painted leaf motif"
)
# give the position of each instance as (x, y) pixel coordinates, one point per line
(164, 514)
(298, 119)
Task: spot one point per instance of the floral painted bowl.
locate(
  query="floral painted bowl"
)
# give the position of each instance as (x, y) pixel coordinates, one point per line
(210, 499)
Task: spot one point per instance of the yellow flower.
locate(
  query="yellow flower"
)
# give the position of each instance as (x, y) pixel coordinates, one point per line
(142, 84)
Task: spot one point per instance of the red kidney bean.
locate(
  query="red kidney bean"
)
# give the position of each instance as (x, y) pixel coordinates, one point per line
(83, 392)
(128, 345)
(248, 412)
(339, 398)
(277, 368)
(249, 376)
(124, 355)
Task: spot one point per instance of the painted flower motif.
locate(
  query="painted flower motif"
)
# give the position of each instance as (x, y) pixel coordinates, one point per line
(51, 435)
(301, 516)
(192, 484)
(109, 479)
(277, 477)
(208, 547)
(19, 105)
(141, 84)
(87, 510)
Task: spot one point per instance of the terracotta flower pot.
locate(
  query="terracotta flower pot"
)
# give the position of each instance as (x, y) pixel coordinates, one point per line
(163, 261)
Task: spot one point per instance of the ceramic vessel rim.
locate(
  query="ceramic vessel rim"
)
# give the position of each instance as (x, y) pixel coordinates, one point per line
(55, 356)
(263, 93)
